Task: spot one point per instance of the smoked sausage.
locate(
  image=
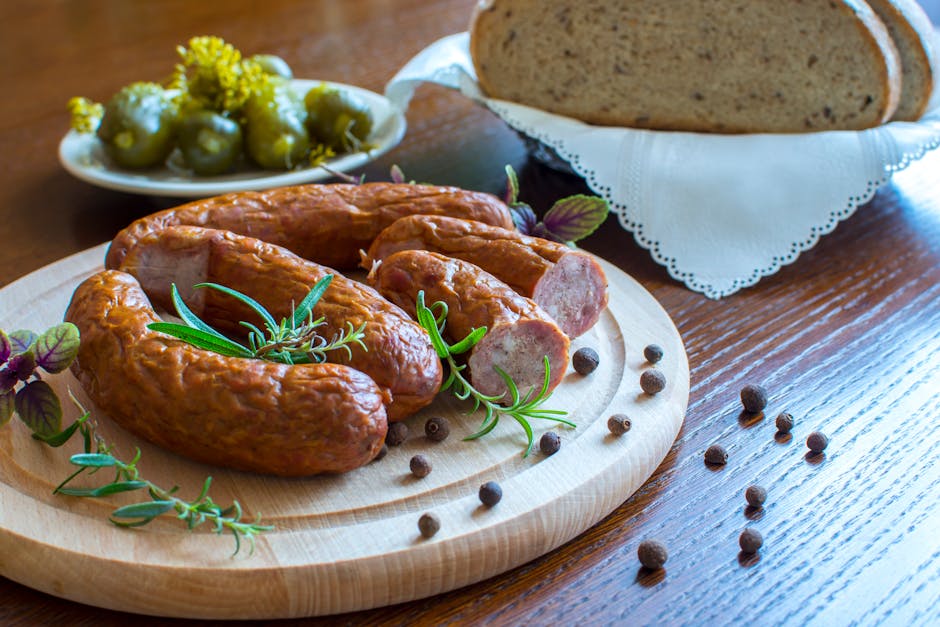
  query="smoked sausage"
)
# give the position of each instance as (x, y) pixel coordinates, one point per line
(246, 414)
(328, 224)
(398, 356)
(519, 334)
(567, 283)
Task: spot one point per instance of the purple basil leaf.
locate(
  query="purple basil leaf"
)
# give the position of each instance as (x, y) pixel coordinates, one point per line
(57, 347)
(8, 380)
(22, 365)
(6, 349)
(512, 186)
(576, 217)
(6, 406)
(523, 217)
(38, 406)
(541, 231)
(21, 340)
(398, 176)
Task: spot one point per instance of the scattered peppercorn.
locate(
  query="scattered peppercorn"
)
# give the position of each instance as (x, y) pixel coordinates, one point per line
(817, 442)
(549, 443)
(397, 433)
(754, 398)
(382, 453)
(420, 466)
(619, 424)
(750, 540)
(652, 554)
(585, 360)
(653, 353)
(429, 524)
(755, 495)
(784, 422)
(652, 381)
(437, 429)
(716, 454)
(490, 493)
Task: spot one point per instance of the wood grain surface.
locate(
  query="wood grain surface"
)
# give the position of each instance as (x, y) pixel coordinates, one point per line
(847, 338)
(351, 541)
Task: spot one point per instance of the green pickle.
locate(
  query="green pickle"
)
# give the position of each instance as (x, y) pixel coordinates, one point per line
(275, 131)
(337, 119)
(209, 142)
(273, 65)
(138, 127)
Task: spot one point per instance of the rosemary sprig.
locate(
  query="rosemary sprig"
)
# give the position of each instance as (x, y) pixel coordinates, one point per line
(99, 454)
(294, 341)
(521, 408)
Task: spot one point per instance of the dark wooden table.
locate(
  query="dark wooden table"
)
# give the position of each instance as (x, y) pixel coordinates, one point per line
(847, 339)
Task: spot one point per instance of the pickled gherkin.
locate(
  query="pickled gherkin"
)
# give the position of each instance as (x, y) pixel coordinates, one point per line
(275, 131)
(138, 128)
(337, 119)
(209, 142)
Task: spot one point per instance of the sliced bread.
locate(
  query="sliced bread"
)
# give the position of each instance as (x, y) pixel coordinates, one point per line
(913, 34)
(726, 66)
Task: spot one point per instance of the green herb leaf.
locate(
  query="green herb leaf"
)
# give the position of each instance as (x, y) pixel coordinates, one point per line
(191, 319)
(201, 339)
(58, 439)
(39, 407)
(148, 510)
(468, 342)
(21, 340)
(106, 490)
(248, 300)
(575, 217)
(512, 186)
(94, 460)
(57, 347)
(7, 405)
(310, 300)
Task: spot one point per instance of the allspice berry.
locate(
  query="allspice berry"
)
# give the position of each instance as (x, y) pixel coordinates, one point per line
(817, 442)
(653, 353)
(490, 493)
(755, 495)
(585, 360)
(652, 381)
(397, 433)
(618, 424)
(784, 422)
(716, 454)
(750, 540)
(420, 466)
(437, 429)
(549, 443)
(652, 554)
(429, 524)
(754, 398)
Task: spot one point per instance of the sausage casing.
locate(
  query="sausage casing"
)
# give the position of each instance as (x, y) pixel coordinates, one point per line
(246, 414)
(328, 224)
(567, 283)
(398, 356)
(519, 334)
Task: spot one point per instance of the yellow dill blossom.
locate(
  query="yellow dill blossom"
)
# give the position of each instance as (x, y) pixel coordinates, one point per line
(320, 154)
(86, 114)
(213, 75)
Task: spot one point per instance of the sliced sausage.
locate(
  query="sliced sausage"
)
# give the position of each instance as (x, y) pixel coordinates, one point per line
(398, 356)
(328, 224)
(567, 283)
(519, 334)
(246, 414)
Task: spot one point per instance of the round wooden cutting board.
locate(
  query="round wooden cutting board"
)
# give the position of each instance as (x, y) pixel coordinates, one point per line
(348, 542)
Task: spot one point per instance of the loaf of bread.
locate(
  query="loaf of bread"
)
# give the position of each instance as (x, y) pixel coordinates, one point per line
(724, 66)
(913, 34)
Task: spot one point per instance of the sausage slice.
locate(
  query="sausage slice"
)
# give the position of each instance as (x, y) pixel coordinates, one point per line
(328, 224)
(398, 356)
(246, 414)
(520, 334)
(567, 283)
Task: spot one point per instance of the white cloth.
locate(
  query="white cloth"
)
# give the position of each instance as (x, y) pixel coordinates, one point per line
(718, 211)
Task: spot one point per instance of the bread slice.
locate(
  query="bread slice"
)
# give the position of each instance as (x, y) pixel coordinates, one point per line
(726, 66)
(913, 34)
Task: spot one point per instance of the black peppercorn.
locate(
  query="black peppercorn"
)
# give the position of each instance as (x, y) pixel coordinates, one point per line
(420, 466)
(653, 353)
(429, 524)
(619, 424)
(585, 360)
(750, 540)
(784, 422)
(652, 554)
(397, 433)
(652, 381)
(490, 493)
(817, 442)
(754, 398)
(437, 429)
(716, 454)
(755, 495)
(549, 443)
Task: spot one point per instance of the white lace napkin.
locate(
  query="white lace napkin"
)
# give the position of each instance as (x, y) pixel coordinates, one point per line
(719, 211)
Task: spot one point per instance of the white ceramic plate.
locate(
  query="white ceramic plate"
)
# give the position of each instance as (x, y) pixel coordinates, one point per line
(83, 156)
